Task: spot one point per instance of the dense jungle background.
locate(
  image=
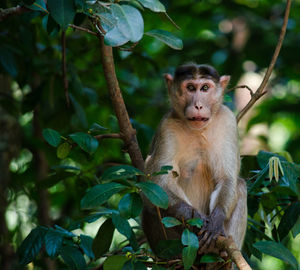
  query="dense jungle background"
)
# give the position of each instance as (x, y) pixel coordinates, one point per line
(54, 113)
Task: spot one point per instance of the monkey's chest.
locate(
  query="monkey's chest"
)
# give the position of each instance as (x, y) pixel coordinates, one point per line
(195, 178)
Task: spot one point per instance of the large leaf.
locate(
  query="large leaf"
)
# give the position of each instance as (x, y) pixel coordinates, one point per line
(120, 172)
(189, 253)
(86, 245)
(53, 241)
(130, 206)
(277, 250)
(130, 25)
(103, 239)
(73, 258)
(85, 141)
(289, 219)
(99, 194)
(153, 5)
(51, 136)
(31, 245)
(170, 222)
(62, 11)
(167, 38)
(155, 194)
(115, 262)
(122, 225)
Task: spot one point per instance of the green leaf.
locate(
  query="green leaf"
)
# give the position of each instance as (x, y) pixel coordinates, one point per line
(73, 258)
(103, 239)
(153, 5)
(52, 136)
(264, 156)
(53, 241)
(63, 12)
(195, 222)
(168, 249)
(38, 5)
(170, 222)
(96, 128)
(289, 219)
(277, 250)
(130, 206)
(296, 228)
(122, 225)
(211, 258)
(155, 194)
(167, 38)
(63, 231)
(63, 150)
(130, 25)
(120, 172)
(189, 253)
(86, 245)
(115, 262)
(99, 194)
(85, 141)
(163, 170)
(31, 245)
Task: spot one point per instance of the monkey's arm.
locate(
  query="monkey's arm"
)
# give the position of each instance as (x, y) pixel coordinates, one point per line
(224, 197)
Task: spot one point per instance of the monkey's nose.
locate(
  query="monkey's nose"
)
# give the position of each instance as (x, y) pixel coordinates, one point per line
(198, 107)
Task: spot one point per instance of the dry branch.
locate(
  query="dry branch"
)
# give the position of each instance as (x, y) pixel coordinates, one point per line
(18, 10)
(83, 29)
(108, 136)
(126, 129)
(260, 91)
(233, 252)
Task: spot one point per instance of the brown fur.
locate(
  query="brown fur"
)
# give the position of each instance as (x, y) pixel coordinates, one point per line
(204, 154)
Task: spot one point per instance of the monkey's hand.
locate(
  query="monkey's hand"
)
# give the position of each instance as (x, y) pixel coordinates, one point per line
(212, 228)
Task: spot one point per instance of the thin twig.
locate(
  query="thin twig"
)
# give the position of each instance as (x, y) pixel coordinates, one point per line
(64, 67)
(83, 29)
(260, 91)
(18, 10)
(108, 136)
(162, 225)
(241, 86)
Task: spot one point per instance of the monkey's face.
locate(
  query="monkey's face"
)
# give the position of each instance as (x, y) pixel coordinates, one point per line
(202, 98)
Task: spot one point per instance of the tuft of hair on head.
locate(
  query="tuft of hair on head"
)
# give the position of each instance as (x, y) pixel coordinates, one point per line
(192, 70)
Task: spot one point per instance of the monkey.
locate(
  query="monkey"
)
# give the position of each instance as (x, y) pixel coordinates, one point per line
(198, 138)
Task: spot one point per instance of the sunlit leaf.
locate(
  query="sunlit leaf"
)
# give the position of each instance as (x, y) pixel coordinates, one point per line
(63, 150)
(115, 262)
(167, 38)
(153, 5)
(277, 250)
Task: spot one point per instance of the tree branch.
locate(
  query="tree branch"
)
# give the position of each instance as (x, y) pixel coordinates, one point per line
(18, 10)
(108, 136)
(233, 252)
(127, 132)
(83, 29)
(260, 91)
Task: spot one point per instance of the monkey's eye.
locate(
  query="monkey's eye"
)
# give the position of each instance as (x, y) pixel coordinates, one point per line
(204, 88)
(191, 87)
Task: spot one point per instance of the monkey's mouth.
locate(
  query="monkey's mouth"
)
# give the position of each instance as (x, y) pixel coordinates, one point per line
(198, 119)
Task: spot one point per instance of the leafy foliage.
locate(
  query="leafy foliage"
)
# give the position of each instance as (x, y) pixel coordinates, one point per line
(32, 93)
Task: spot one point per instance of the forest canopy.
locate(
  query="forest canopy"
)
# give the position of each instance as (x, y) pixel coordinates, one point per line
(71, 160)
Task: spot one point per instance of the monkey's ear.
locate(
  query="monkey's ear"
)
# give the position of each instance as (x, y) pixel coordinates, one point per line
(169, 80)
(224, 80)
